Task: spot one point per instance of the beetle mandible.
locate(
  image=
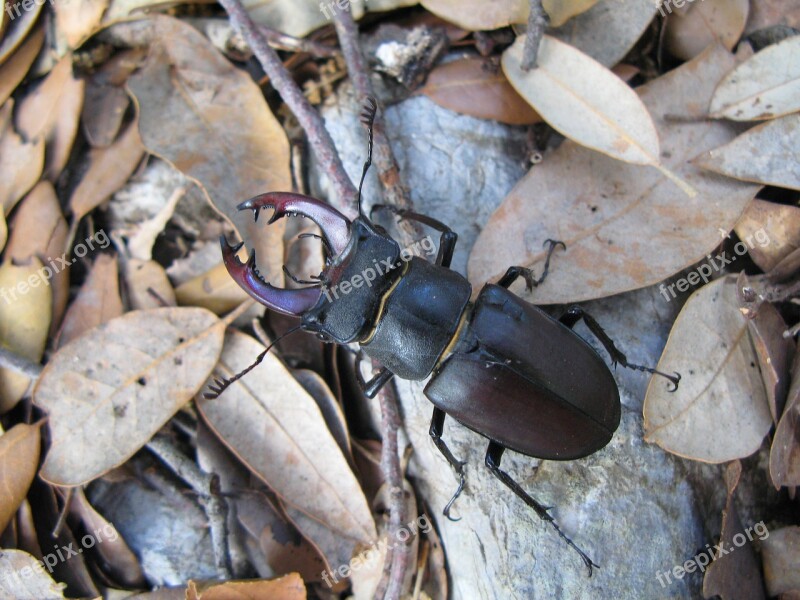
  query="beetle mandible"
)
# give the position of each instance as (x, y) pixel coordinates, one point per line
(499, 365)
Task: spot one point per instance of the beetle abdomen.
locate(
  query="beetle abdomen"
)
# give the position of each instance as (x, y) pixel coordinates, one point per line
(528, 382)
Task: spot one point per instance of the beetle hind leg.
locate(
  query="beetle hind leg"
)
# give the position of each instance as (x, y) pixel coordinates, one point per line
(436, 431)
(494, 455)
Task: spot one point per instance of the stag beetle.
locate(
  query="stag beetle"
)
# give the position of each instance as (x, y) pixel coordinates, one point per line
(498, 365)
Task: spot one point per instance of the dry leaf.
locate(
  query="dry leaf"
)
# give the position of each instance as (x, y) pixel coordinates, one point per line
(586, 102)
(210, 120)
(21, 162)
(479, 15)
(97, 302)
(39, 229)
(692, 28)
(24, 322)
(605, 32)
(148, 285)
(274, 427)
(719, 412)
(477, 87)
(768, 13)
(52, 112)
(765, 154)
(214, 290)
(13, 71)
(19, 461)
(625, 226)
(784, 456)
(288, 587)
(771, 232)
(109, 169)
(561, 11)
(111, 390)
(765, 86)
(37, 585)
(780, 553)
(77, 20)
(18, 29)
(3, 231)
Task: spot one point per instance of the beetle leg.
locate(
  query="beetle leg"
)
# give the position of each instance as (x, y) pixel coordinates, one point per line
(576, 313)
(374, 385)
(436, 431)
(494, 455)
(447, 242)
(514, 273)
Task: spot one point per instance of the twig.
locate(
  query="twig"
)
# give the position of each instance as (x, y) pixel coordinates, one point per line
(309, 119)
(207, 489)
(282, 41)
(537, 23)
(18, 364)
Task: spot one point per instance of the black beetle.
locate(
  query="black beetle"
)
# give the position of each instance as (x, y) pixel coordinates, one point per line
(499, 365)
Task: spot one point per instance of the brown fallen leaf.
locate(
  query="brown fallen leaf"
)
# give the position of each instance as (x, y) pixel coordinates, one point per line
(719, 412)
(625, 226)
(691, 28)
(784, 456)
(52, 112)
(18, 29)
(765, 86)
(24, 322)
(15, 564)
(477, 15)
(768, 13)
(210, 120)
(3, 231)
(275, 428)
(109, 169)
(288, 587)
(735, 574)
(111, 390)
(40, 230)
(477, 87)
(21, 162)
(766, 154)
(561, 11)
(98, 301)
(771, 232)
(780, 553)
(76, 21)
(148, 285)
(15, 68)
(19, 461)
(214, 290)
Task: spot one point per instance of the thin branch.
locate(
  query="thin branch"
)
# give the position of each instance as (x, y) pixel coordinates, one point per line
(18, 364)
(537, 23)
(282, 41)
(309, 118)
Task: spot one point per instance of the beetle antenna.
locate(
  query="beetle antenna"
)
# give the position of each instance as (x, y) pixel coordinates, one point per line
(368, 119)
(220, 385)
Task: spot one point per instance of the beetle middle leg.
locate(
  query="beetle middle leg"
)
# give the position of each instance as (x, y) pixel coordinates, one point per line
(447, 241)
(576, 313)
(494, 455)
(436, 431)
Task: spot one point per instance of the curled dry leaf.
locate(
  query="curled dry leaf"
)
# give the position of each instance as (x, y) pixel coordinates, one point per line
(210, 120)
(780, 553)
(620, 222)
(605, 32)
(148, 285)
(587, 103)
(214, 290)
(719, 412)
(561, 11)
(111, 390)
(477, 87)
(270, 422)
(288, 587)
(765, 154)
(765, 86)
(18, 29)
(693, 27)
(38, 584)
(24, 322)
(40, 230)
(21, 162)
(13, 71)
(479, 15)
(784, 456)
(52, 112)
(76, 21)
(771, 232)
(98, 301)
(19, 460)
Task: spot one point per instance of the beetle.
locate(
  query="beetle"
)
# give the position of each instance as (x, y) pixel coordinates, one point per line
(498, 365)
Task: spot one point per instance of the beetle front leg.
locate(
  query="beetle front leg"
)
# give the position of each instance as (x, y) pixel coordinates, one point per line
(436, 431)
(494, 455)
(374, 385)
(447, 242)
(576, 313)
(514, 273)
